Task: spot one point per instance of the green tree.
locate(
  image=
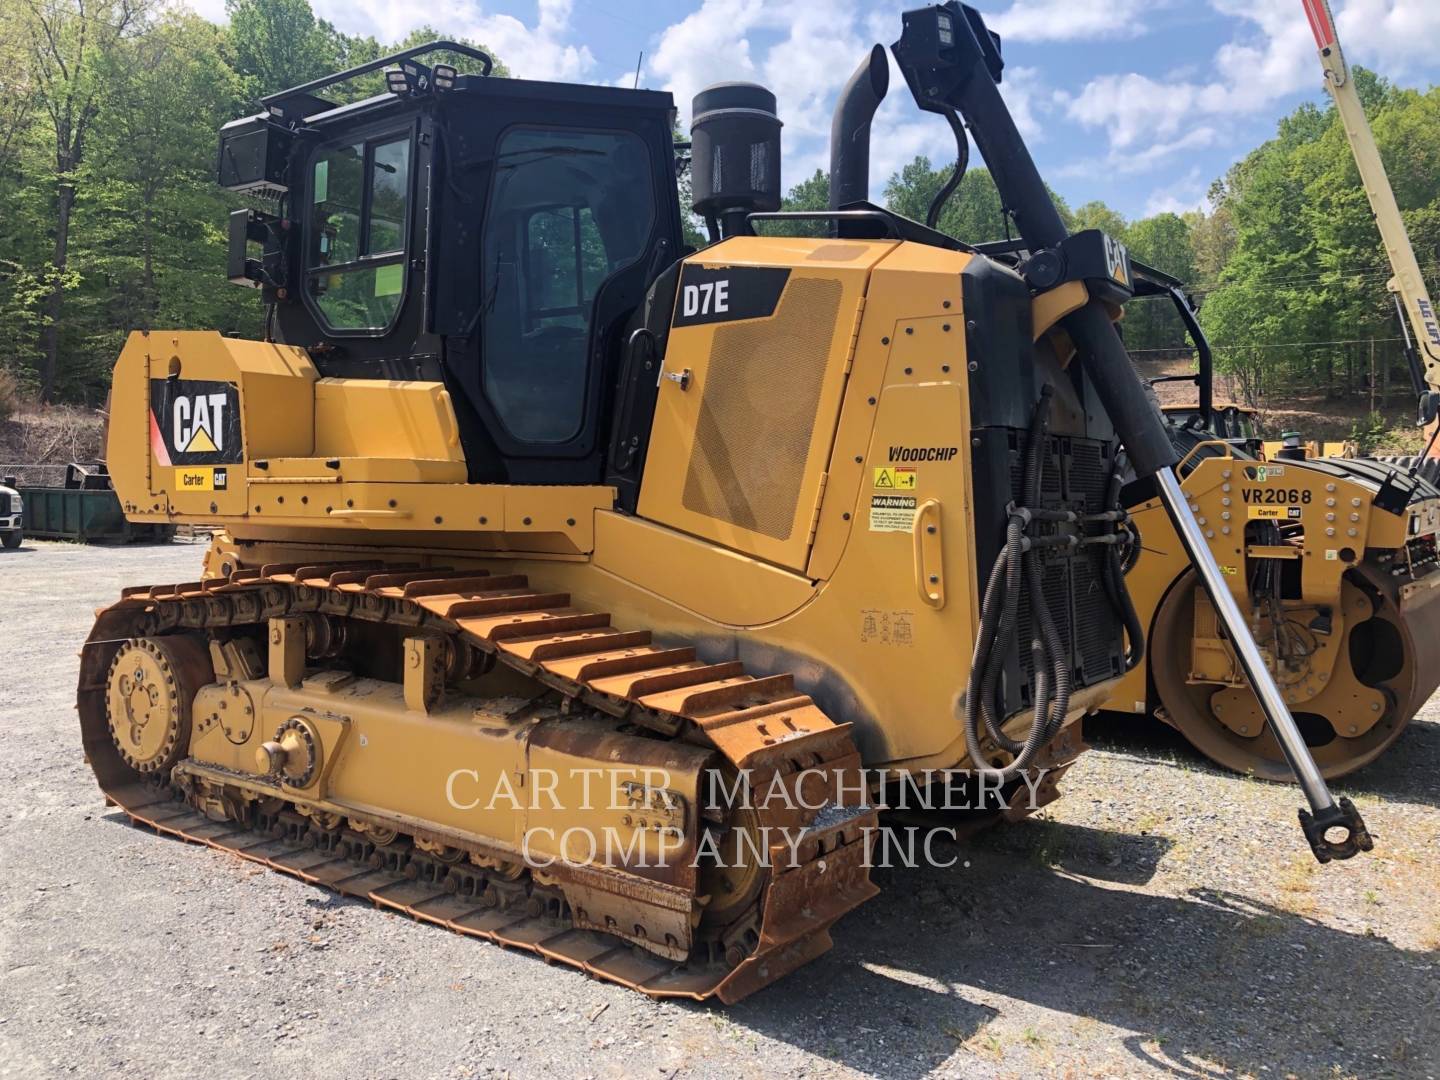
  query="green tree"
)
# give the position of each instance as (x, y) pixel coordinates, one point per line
(812, 193)
(1300, 296)
(151, 240)
(1096, 215)
(1212, 236)
(1164, 242)
(73, 45)
(973, 211)
(276, 44)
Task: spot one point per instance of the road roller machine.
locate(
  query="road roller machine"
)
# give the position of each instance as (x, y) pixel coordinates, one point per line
(589, 594)
(1334, 562)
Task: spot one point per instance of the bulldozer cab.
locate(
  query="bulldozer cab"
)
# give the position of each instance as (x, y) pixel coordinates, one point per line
(493, 234)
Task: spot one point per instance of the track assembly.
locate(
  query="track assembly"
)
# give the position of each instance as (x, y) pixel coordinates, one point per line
(727, 931)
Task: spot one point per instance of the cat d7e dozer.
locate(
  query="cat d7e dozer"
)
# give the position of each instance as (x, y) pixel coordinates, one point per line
(587, 595)
(1334, 561)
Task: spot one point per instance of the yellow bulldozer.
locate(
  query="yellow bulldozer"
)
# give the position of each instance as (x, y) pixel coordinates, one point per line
(590, 594)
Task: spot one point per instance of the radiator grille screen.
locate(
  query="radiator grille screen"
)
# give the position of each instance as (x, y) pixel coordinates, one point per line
(757, 418)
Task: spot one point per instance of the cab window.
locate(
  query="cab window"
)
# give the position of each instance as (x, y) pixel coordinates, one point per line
(567, 210)
(360, 194)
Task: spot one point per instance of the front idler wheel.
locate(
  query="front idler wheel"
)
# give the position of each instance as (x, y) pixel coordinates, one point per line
(150, 687)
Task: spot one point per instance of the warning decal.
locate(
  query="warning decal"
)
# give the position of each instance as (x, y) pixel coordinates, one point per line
(893, 479)
(892, 513)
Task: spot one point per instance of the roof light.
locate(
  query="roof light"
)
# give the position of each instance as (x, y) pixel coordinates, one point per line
(397, 82)
(445, 76)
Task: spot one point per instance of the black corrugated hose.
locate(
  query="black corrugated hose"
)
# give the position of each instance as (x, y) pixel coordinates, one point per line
(1019, 562)
(1114, 577)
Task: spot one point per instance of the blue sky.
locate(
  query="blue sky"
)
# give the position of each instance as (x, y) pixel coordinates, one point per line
(1141, 103)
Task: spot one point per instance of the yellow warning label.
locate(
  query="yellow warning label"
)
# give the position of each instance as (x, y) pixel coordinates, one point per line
(195, 479)
(893, 479)
(892, 513)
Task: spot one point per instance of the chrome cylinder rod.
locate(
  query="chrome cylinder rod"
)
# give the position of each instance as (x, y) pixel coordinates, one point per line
(1272, 701)
(1334, 830)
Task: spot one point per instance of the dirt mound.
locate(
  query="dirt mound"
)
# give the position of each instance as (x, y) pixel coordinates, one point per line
(37, 444)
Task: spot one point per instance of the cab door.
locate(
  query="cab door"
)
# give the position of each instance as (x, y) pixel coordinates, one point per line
(750, 390)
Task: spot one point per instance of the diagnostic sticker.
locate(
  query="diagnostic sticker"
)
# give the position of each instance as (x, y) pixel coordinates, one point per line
(389, 280)
(896, 479)
(892, 513)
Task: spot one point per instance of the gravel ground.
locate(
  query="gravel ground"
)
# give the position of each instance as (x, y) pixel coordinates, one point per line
(1162, 919)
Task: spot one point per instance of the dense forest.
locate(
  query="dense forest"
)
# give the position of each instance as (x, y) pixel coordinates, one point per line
(113, 222)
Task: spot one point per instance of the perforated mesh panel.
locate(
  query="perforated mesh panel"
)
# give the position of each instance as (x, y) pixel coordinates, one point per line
(757, 418)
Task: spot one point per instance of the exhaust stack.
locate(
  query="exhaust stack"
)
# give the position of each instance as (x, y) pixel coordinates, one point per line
(850, 129)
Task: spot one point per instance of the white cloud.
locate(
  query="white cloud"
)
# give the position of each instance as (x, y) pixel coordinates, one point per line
(688, 57)
(1120, 161)
(1179, 196)
(1071, 20)
(1274, 58)
(1396, 37)
(804, 53)
(214, 10)
(539, 51)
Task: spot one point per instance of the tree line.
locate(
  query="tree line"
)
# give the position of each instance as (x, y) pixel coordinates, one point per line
(113, 222)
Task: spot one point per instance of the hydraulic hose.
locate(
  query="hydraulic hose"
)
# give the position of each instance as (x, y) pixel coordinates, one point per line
(1017, 522)
(962, 162)
(1125, 605)
(1114, 578)
(1018, 570)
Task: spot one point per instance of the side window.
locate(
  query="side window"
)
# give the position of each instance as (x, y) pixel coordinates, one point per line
(360, 195)
(567, 209)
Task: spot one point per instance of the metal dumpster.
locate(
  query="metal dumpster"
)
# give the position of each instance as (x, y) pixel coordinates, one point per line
(85, 509)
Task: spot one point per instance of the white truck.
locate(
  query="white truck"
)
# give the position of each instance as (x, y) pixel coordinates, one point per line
(12, 514)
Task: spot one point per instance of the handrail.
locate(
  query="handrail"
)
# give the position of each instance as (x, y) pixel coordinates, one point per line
(891, 229)
(445, 45)
(1229, 451)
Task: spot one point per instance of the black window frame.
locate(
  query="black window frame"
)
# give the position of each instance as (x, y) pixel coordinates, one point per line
(379, 134)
